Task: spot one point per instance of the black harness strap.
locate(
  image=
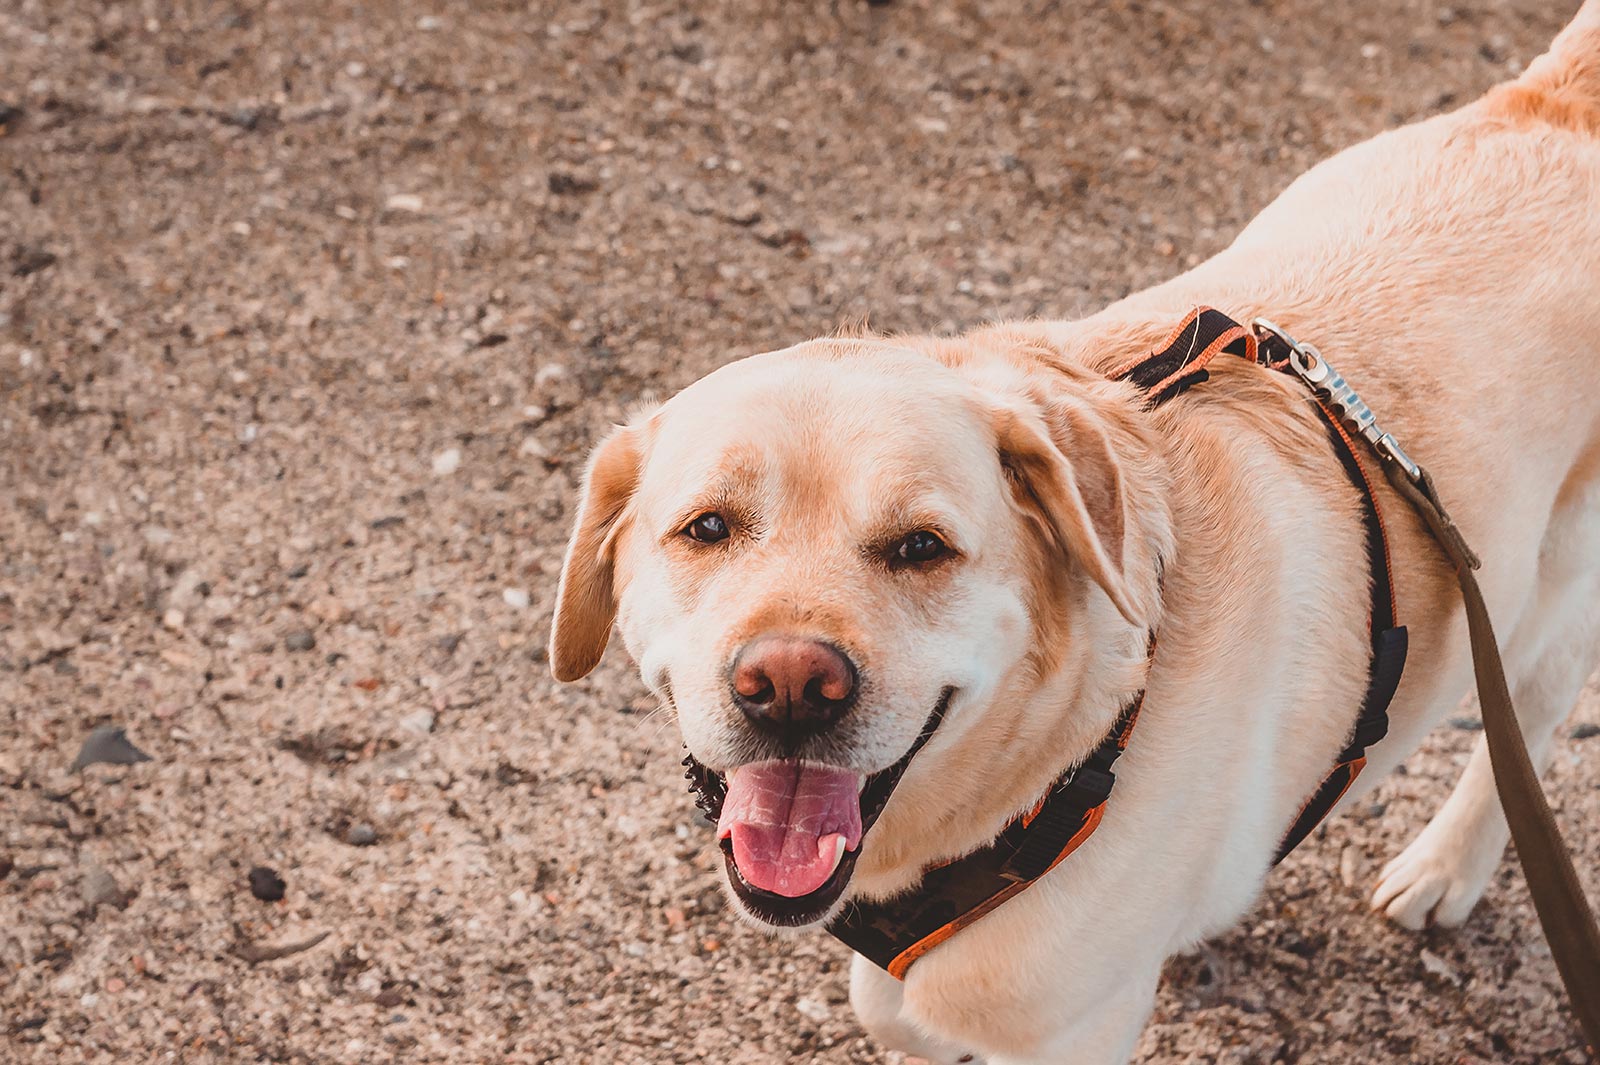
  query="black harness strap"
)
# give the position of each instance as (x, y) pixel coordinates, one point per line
(1388, 639)
(895, 933)
(1180, 363)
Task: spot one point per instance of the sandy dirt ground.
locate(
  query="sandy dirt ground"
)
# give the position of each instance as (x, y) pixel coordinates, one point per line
(308, 314)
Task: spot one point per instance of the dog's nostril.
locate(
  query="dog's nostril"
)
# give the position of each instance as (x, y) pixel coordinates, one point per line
(749, 682)
(816, 692)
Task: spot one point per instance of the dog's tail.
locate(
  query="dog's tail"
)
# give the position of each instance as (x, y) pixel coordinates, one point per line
(1561, 87)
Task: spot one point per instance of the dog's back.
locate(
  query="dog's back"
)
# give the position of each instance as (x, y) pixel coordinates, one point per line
(1561, 87)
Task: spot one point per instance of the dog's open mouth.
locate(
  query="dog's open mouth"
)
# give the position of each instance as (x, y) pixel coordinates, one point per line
(791, 830)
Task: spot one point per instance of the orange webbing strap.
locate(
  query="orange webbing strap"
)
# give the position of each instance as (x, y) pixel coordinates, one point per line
(901, 962)
(1558, 898)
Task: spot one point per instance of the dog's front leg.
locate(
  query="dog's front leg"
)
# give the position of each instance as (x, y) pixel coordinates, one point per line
(1103, 1035)
(879, 1002)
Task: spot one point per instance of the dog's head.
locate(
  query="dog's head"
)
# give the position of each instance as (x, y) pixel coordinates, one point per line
(811, 553)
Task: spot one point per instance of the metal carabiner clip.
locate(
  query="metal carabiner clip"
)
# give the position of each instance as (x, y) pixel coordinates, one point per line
(1318, 373)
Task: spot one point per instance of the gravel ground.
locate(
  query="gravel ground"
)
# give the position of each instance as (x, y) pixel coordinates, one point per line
(308, 313)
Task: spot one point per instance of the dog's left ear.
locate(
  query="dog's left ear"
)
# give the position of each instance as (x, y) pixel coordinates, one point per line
(586, 603)
(1066, 475)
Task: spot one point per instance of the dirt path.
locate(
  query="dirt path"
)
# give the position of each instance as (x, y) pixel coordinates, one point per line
(308, 312)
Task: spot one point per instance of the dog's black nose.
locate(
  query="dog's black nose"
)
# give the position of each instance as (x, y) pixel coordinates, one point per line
(790, 687)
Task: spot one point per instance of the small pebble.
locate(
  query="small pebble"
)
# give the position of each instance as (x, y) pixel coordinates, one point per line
(404, 201)
(1439, 967)
(1466, 724)
(266, 884)
(100, 888)
(1349, 865)
(812, 1009)
(300, 640)
(362, 835)
(447, 462)
(420, 722)
(1584, 730)
(516, 598)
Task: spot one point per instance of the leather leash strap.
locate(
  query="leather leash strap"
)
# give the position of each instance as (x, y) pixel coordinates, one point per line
(1564, 912)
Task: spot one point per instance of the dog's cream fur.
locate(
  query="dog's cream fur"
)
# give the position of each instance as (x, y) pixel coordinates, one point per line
(1450, 269)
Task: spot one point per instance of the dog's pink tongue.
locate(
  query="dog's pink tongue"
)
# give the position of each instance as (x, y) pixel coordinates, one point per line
(784, 818)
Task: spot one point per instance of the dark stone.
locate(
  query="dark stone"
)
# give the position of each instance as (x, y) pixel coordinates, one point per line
(300, 640)
(362, 835)
(565, 183)
(108, 745)
(1584, 731)
(100, 888)
(1466, 724)
(508, 775)
(250, 119)
(266, 884)
(298, 572)
(31, 260)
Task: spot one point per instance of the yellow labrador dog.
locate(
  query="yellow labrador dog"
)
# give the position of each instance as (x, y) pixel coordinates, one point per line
(814, 552)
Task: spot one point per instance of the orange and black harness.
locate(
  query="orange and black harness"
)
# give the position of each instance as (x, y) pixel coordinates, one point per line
(895, 933)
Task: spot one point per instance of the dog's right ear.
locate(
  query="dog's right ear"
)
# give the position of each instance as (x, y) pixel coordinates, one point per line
(1081, 504)
(586, 603)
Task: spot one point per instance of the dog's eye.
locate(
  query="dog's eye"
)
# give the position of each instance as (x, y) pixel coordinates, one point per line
(708, 528)
(920, 547)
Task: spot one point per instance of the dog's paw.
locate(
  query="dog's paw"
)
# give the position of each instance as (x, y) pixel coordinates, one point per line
(1435, 879)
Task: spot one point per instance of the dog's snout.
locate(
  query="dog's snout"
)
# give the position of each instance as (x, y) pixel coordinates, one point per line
(792, 687)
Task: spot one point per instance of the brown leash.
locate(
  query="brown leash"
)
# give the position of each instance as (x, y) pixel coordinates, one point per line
(1564, 912)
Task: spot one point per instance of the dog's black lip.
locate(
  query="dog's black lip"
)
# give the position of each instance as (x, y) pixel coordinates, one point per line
(784, 911)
